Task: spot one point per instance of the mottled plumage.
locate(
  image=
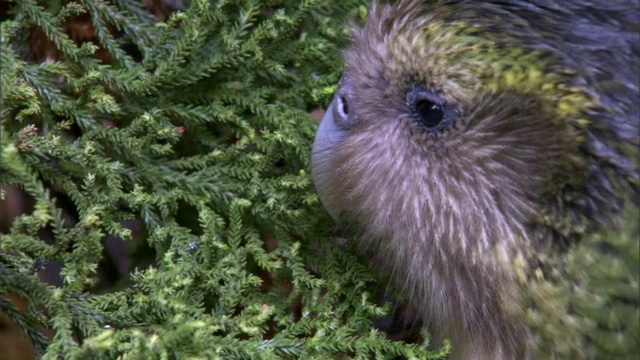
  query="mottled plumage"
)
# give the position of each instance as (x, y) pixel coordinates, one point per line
(469, 140)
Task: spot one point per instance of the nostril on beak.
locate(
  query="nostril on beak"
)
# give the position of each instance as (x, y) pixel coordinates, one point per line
(343, 106)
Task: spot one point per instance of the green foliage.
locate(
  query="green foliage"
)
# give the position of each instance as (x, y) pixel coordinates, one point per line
(197, 128)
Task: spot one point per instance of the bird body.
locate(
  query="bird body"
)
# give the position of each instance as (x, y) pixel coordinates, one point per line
(470, 142)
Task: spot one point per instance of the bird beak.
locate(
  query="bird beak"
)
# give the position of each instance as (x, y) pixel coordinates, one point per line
(327, 137)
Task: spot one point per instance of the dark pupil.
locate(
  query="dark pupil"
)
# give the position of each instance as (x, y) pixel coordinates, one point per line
(430, 114)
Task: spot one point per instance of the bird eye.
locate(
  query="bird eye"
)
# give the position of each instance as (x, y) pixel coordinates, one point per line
(429, 114)
(429, 109)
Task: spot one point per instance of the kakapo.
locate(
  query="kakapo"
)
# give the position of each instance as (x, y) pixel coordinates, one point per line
(471, 148)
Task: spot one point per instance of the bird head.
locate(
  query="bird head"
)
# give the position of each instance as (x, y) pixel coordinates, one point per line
(448, 132)
(465, 138)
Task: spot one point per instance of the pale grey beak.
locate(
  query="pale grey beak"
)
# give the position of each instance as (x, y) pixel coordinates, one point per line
(327, 137)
